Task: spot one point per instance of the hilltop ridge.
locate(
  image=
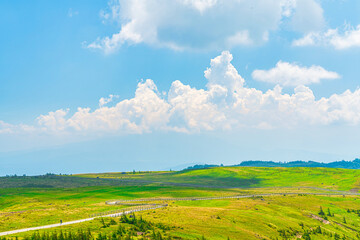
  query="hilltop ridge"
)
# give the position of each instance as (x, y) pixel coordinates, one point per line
(355, 164)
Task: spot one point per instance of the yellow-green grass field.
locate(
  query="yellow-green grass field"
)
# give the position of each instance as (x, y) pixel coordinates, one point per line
(247, 177)
(268, 217)
(22, 208)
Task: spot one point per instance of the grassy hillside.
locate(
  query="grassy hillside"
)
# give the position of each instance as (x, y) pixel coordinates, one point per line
(28, 207)
(41, 201)
(249, 177)
(286, 217)
(342, 179)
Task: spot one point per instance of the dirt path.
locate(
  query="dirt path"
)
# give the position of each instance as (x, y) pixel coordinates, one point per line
(44, 227)
(72, 222)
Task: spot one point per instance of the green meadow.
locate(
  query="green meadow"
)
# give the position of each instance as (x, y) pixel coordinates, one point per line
(249, 177)
(35, 201)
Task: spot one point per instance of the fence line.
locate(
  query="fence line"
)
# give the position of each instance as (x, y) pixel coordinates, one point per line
(138, 206)
(133, 201)
(124, 211)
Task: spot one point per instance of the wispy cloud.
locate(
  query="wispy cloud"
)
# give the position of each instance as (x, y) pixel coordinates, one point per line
(349, 37)
(291, 74)
(72, 13)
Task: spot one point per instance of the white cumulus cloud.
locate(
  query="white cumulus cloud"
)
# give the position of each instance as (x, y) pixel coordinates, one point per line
(290, 74)
(224, 104)
(202, 24)
(345, 39)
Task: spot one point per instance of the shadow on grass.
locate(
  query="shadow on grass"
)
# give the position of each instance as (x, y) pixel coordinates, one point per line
(220, 182)
(56, 181)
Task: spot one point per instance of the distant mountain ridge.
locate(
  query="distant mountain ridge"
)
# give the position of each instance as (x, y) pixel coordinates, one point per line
(355, 164)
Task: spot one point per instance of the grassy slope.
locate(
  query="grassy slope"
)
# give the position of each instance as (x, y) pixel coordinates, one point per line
(238, 219)
(341, 179)
(257, 218)
(20, 208)
(247, 218)
(246, 177)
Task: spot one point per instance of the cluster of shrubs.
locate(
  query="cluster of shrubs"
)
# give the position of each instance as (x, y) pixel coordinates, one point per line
(354, 211)
(129, 227)
(132, 226)
(325, 215)
(329, 214)
(139, 224)
(55, 235)
(307, 233)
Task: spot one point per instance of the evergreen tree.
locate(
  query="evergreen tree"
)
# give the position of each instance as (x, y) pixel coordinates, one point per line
(329, 213)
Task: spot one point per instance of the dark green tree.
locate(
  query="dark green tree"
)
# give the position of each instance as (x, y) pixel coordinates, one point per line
(328, 212)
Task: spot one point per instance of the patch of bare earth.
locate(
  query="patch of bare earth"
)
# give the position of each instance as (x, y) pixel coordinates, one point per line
(313, 216)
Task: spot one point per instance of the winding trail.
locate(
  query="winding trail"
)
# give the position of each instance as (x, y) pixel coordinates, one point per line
(75, 221)
(136, 205)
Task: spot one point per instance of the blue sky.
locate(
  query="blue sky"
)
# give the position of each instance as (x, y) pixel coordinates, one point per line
(56, 57)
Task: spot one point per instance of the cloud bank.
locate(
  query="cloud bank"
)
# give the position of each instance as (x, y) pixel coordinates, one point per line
(203, 24)
(225, 104)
